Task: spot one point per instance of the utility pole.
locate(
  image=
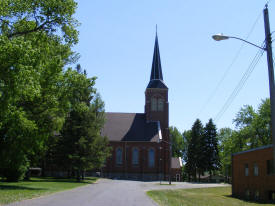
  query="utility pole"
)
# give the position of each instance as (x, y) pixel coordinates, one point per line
(268, 42)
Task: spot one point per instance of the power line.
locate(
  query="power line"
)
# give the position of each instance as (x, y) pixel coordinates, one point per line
(240, 85)
(213, 93)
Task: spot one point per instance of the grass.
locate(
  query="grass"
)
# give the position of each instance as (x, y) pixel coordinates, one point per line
(218, 196)
(35, 187)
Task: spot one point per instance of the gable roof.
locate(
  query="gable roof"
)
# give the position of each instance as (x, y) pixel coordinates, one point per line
(176, 162)
(130, 127)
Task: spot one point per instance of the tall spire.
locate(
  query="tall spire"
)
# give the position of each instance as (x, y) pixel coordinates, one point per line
(156, 79)
(156, 72)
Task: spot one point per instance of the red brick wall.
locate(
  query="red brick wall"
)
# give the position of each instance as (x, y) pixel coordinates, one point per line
(127, 167)
(175, 172)
(263, 182)
(163, 117)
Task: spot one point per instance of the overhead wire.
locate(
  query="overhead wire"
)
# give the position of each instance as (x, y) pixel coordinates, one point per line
(213, 93)
(240, 84)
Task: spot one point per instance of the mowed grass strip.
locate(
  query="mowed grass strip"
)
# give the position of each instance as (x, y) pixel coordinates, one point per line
(218, 196)
(35, 187)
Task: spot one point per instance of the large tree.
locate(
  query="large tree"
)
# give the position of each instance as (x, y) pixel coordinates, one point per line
(195, 152)
(252, 130)
(254, 126)
(81, 145)
(226, 137)
(212, 160)
(178, 144)
(35, 44)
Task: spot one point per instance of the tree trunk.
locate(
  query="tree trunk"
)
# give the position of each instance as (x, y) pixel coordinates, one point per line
(43, 168)
(78, 175)
(199, 176)
(195, 175)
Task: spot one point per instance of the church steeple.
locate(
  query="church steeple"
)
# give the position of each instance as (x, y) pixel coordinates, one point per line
(156, 78)
(156, 72)
(156, 107)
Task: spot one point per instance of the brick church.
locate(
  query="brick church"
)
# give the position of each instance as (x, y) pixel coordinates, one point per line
(140, 141)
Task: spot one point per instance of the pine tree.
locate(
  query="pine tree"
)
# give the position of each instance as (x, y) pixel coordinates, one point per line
(194, 151)
(81, 145)
(211, 151)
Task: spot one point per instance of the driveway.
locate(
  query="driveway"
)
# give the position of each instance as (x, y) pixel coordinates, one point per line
(108, 192)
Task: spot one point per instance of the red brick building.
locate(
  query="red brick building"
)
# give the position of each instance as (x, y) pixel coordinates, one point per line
(252, 174)
(140, 141)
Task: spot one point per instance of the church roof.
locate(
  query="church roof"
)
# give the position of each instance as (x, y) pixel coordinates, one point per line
(130, 127)
(156, 78)
(176, 162)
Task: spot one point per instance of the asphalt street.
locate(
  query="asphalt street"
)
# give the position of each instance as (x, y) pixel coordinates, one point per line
(106, 192)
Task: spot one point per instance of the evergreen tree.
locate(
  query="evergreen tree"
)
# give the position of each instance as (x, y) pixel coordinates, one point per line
(82, 146)
(195, 151)
(212, 160)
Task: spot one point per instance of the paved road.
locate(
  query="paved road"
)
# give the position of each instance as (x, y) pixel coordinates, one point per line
(107, 193)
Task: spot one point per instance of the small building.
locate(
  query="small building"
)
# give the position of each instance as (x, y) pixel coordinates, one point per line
(176, 169)
(252, 174)
(140, 141)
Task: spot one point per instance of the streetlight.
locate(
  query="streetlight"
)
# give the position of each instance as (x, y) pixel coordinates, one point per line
(219, 37)
(268, 49)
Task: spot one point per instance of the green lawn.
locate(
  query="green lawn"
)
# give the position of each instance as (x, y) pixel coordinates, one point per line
(219, 196)
(15, 191)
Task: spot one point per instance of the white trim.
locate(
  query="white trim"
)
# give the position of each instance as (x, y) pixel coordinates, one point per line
(159, 131)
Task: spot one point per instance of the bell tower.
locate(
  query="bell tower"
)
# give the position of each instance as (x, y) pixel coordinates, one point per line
(157, 106)
(156, 95)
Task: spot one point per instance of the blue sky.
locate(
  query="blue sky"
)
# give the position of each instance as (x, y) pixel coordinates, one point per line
(117, 41)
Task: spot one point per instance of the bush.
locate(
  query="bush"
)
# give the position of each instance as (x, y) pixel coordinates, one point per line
(16, 170)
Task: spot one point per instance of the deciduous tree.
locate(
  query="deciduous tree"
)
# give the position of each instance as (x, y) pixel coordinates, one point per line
(35, 44)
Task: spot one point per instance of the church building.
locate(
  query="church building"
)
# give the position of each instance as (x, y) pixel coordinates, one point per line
(140, 141)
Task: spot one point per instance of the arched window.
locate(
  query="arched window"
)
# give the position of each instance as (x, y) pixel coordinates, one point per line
(119, 156)
(154, 104)
(135, 156)
(256, 169)
(246, 170)
(151, 157)
(160, 104)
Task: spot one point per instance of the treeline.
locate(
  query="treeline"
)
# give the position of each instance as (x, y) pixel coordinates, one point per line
(252, 129)
(204, 149)
(198, 148)
(46, 107)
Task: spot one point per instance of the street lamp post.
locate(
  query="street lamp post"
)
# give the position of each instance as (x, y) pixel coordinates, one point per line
(219, 37)
(268, 49)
